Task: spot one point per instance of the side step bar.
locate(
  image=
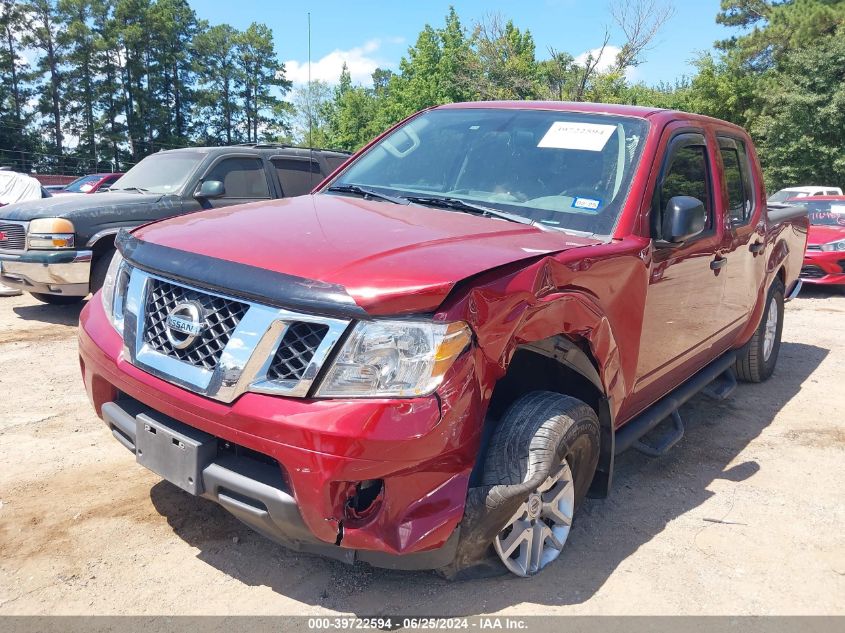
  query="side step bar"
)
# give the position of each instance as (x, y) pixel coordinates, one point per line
(628, 436)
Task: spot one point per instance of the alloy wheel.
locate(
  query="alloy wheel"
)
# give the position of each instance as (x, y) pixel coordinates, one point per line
(537, 532)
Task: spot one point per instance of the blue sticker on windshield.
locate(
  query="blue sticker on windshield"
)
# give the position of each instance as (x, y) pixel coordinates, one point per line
(591, 204)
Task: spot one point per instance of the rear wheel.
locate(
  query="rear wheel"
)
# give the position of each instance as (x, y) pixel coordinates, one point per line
(56, 300)
(546, 449)
(757, 359)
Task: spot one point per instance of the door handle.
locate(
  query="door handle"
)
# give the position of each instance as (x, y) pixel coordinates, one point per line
(717, 263)
(757, 247)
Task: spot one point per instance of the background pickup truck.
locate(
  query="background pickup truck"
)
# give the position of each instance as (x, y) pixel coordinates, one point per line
(59, 248)
(431, 360)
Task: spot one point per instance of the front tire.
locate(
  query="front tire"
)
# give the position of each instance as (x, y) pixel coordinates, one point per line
(99, 270)
(757, 359)
(550, 442)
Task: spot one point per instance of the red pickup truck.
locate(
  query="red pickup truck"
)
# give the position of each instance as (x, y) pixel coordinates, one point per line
(432, 359)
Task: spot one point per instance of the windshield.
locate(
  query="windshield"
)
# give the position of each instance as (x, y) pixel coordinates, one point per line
(83, 185)
(160, 173)
(825, 213)
(563, 170)
(785, 194)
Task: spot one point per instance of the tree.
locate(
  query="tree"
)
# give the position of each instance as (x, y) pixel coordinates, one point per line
(505, 63)
(80, 40)
(175, 25)
(259, 71)
(219, 75)
(133, 57)
(776, 28)
(801, 126)
(312, 105)
(43, 34)
(15, 90)
(640, 22)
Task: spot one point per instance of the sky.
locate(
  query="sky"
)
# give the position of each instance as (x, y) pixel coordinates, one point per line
(375, 33)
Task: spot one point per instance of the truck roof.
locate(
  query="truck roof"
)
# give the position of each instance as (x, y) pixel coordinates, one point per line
(563, 106)
(261, 148)
(618, 109)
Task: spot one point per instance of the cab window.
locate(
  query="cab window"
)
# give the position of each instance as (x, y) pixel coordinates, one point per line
(688, 174)
(297, 175)
(738, 182)
(241, 177)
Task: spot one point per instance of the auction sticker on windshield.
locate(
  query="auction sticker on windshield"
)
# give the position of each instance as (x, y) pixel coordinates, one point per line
(591, 137)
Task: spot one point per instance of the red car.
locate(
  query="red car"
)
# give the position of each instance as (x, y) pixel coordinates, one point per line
(824, 261)
(430, 360)
(91, 183)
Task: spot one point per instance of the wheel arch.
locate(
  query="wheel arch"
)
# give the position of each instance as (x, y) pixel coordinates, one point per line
(102, 241)
(560, 364)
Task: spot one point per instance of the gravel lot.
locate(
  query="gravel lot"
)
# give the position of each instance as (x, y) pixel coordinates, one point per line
(745, 516)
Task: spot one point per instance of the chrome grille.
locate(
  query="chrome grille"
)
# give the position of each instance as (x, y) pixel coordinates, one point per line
(220, 317)
(233, 352)
(12, 237)
(296, 350)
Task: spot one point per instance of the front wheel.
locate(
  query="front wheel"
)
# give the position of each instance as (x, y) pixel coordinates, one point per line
(757, 359)
(546, 449)
(99, 269)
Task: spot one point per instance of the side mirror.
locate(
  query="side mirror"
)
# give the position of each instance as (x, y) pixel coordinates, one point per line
(210, 189)
(683, 218)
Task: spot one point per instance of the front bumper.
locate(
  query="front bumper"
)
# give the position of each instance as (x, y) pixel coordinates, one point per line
(823, 267)
(422, 449)
(47, 272)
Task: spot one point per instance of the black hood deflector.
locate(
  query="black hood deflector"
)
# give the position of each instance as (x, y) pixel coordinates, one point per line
(240, 280)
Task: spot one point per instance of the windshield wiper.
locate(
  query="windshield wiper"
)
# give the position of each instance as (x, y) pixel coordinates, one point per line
(468, 207)
(365, 193)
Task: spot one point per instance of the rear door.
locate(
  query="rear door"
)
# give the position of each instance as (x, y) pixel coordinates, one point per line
(298, 175)
(744, 231)
(682, 322)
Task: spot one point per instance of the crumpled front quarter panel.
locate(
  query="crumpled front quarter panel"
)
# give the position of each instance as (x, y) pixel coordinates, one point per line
(594, 295)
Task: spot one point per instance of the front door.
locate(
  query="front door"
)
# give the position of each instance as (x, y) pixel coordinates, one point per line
(244, 180)
(681, 323)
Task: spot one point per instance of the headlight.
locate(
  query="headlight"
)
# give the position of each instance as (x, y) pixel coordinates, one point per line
(838, 245)
(395, 358)
(114, 290)
(49, 233)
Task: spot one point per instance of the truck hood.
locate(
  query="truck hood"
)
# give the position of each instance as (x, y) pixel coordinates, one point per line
(823, 234)
(389, 258)
(68, 206)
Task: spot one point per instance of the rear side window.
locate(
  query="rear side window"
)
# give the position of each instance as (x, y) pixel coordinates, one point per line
(738, 181)
(687, 175)
(336, 161)
(297, 175)
(241, 177)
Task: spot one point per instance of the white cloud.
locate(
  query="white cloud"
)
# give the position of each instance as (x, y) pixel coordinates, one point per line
(606, 57)
(361, 61)
(606, 60)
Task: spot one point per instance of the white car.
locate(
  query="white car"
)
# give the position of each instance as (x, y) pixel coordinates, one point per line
(801, 192)
(15, 187)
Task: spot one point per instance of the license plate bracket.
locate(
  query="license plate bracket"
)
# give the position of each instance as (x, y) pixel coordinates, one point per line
(173, 450)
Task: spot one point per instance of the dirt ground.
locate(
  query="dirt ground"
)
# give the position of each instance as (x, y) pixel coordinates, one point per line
(745, 516)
